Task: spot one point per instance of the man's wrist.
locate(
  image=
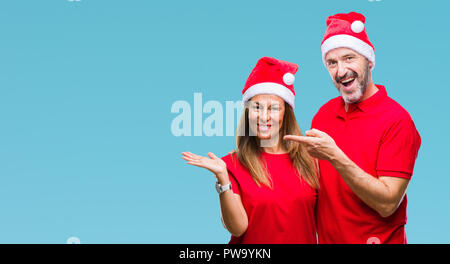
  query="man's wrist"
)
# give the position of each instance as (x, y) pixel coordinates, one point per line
(338, 158)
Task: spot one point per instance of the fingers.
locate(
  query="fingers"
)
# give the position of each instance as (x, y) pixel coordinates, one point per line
(212, 156)
(311, 133)
(188, 159)
(300, 139)
(191, 155)
(315, 133)
(194, 159)
(196, 163)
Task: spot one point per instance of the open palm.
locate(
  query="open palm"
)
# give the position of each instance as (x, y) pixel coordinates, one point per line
(211, 163)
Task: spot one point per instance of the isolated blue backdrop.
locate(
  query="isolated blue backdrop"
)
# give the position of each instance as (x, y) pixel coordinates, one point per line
(86, 89)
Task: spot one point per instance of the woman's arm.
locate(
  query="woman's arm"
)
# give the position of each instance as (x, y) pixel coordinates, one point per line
(233, 212)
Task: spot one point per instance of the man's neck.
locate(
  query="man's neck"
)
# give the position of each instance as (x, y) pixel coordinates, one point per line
(371, 90)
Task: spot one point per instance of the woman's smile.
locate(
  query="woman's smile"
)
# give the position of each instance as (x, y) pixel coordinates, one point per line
(264, 127)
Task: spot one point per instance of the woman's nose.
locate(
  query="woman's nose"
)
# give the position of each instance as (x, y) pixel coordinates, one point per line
(264, 115)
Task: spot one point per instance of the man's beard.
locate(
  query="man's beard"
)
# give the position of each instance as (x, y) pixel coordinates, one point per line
(362, 83)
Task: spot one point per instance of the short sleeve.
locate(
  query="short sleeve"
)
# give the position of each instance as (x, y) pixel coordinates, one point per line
(398, 150)
(231, 168)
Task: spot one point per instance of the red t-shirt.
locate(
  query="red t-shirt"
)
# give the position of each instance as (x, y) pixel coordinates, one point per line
(380, 137)
(281, 215)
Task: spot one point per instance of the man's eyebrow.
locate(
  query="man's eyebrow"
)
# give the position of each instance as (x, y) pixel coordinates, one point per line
(348, 55)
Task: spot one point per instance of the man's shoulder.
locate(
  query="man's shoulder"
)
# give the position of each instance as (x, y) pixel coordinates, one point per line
(395, 110)
(332, 103)
(328, 107)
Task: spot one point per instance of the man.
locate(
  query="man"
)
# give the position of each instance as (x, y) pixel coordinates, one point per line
(366, 144)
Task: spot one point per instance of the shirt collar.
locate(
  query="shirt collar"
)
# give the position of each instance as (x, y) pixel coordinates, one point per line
(364, 106)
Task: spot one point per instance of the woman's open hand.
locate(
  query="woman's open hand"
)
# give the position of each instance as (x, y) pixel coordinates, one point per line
(211, 163)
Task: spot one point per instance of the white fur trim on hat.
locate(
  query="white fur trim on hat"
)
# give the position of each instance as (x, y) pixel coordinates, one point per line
(270, 88)
(347, 41)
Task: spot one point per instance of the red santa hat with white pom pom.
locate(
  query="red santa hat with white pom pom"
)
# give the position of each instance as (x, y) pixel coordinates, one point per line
(271, 76)
(347, 31)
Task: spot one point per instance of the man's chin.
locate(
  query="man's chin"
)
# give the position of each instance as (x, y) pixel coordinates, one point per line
(351, 99)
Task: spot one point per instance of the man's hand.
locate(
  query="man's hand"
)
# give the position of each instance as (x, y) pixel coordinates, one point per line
(319, 144)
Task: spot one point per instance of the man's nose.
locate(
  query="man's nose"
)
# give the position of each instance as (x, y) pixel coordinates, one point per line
(341, 70)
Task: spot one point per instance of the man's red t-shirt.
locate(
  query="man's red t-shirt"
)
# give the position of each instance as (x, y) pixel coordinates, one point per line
(380, 137)
(283, 214)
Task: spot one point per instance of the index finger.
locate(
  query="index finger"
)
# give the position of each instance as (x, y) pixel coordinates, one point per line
(300, 139)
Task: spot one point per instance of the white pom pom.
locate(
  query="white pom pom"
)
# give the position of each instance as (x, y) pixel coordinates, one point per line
(357, 26)
(288, 78)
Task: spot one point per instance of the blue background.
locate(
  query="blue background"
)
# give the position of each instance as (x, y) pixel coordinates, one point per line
(86, 90)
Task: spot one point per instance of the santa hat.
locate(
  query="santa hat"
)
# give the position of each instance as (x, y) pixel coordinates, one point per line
(347, 31)
(271, 76)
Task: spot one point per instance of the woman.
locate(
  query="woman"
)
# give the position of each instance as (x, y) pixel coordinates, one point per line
(267, 188)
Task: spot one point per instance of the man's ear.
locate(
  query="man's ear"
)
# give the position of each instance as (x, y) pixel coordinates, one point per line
(370, 64)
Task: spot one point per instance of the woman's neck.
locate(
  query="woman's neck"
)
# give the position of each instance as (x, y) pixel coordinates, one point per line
(277, 149)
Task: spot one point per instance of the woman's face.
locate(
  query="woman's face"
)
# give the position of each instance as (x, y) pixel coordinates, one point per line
(265, 113)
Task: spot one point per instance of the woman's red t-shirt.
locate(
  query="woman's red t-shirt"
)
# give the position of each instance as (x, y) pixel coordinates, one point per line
(281, 215)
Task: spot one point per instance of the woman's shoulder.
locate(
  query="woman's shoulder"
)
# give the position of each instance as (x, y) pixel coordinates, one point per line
(234, 165)
(231, 160)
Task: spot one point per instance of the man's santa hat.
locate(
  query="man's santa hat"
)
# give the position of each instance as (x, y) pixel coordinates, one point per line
(271, 76)
(347, 31)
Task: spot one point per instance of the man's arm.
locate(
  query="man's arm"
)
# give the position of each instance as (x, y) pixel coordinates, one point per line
(383, 194)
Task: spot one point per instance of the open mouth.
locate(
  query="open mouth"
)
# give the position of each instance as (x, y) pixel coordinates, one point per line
(264, 128)
(348, 82)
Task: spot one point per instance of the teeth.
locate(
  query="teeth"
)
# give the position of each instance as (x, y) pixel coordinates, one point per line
(263, 127)
(347, 81)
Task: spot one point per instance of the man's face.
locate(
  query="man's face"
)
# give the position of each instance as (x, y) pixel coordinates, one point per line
(350, 73)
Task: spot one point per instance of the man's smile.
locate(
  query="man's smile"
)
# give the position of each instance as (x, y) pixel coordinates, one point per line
(347, 82)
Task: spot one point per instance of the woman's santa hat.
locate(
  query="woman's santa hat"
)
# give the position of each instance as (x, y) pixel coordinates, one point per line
(347, 31)
(271, 76)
